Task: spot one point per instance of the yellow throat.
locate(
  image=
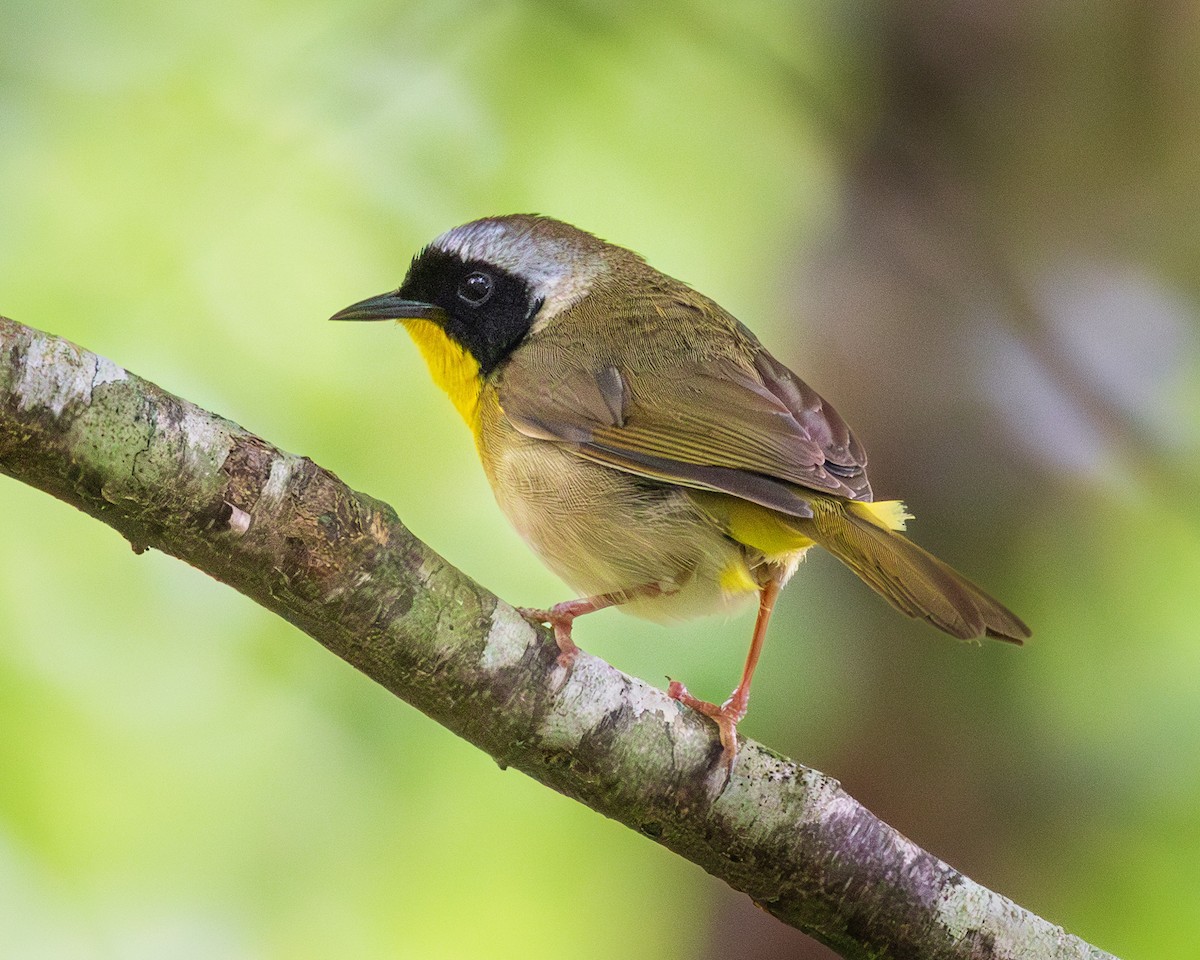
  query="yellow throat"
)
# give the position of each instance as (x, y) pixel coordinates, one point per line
(452, 367)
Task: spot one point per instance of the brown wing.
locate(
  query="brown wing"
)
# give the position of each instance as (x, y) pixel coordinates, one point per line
(739, 424)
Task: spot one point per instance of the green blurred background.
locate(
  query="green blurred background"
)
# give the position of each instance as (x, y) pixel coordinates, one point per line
(971, 226)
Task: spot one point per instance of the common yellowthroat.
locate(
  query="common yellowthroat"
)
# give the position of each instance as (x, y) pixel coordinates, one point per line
(647, 446)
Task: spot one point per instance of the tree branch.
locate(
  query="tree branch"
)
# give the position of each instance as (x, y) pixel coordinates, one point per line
(341, 567)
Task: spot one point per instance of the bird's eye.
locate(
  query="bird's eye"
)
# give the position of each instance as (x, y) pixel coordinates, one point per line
(475, 288)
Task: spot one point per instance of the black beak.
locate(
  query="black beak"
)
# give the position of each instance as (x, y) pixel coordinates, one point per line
(390, 306)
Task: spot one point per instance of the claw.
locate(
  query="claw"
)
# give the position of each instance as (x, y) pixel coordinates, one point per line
(726, 716)
(562, 615)
(561, 621)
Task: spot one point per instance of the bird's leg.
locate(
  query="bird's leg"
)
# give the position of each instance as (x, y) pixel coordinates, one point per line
(730, 713)
(562, 615)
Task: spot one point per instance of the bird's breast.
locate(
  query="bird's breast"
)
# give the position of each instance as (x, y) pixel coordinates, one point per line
(602, 529)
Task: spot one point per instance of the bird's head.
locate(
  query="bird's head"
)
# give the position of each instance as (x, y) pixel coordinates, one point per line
(483, 287)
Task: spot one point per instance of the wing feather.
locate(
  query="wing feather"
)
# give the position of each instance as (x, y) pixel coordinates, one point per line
(739, 422)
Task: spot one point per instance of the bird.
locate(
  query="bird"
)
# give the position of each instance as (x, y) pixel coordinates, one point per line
(647, 447)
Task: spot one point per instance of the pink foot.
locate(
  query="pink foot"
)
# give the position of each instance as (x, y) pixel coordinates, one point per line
(726, 716)
(561, 621)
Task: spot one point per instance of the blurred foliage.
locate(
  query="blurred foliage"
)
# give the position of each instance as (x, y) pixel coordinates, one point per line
(971, 226)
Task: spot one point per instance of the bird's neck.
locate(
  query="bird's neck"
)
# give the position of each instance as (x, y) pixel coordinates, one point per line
(452, 367)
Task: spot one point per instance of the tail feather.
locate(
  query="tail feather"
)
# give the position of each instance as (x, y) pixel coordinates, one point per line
(913, 580)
